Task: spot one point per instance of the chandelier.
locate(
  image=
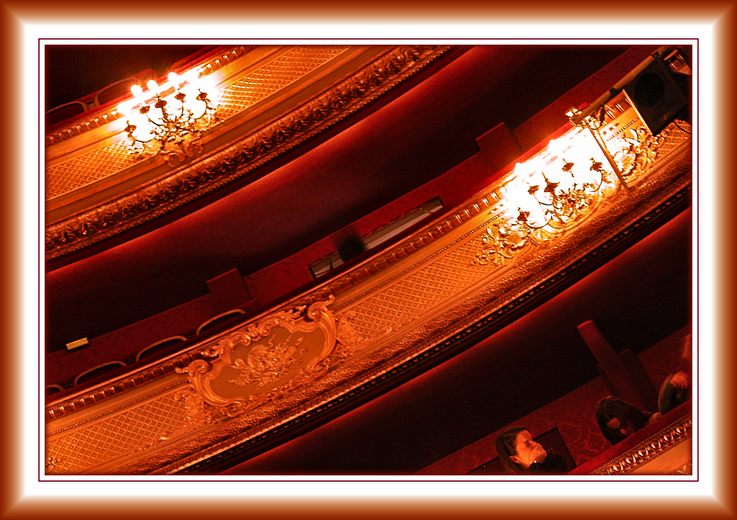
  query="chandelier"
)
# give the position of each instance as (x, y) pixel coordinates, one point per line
(555, 189)
(169, 119)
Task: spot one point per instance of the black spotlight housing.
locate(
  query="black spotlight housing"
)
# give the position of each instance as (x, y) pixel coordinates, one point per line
(658, 95)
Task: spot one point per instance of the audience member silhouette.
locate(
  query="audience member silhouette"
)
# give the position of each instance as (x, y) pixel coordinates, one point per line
(676, 387)
(520, 453)
(618, 418)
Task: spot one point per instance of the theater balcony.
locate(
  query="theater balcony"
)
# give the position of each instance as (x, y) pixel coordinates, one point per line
(340, 259)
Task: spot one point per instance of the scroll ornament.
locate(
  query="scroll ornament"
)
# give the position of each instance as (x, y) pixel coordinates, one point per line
(267, 360)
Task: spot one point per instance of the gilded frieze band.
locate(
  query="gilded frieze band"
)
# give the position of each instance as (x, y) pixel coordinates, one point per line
(649, 449)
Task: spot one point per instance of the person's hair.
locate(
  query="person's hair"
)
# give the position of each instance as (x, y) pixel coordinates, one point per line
(670, 395)
(505, 449)
(610, 407)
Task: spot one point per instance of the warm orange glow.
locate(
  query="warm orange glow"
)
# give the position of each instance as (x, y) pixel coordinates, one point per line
(168, 118)
(564, 183)
(561, 180)
(137, 91)
(174, 79)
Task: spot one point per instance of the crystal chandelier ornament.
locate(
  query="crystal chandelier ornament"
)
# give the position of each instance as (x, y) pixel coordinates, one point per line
(169, 119)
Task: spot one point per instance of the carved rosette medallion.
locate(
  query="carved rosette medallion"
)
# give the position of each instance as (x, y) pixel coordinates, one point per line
(265, 360)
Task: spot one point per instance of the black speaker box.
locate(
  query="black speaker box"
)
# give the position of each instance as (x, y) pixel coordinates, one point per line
(350, 246)
(656, 96)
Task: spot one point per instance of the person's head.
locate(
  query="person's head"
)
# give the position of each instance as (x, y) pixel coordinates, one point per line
(617, 418)
(517, 450)
(673, 391)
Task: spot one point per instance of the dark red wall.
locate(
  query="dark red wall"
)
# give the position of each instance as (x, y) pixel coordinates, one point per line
(427, 131)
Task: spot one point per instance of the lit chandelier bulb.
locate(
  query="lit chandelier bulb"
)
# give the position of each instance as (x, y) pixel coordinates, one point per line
(557, 146)
(153, 87)
(137, 91)
(174, 80)
(192, 76)
(169, 121)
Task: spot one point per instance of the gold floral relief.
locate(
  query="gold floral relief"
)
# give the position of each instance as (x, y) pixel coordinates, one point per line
(266, 359)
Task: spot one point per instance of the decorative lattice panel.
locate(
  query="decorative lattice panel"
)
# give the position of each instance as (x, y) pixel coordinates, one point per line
(274, 76)
(81, 171)
(282, 71)
(415, 294)
(79, 449)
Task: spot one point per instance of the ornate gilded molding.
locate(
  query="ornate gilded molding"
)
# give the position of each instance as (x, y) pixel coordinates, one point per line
(339, 332)
(394, 316)
(255, 150)
(265, 360)
(254, 364)
(652, 447)
(139, 378)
